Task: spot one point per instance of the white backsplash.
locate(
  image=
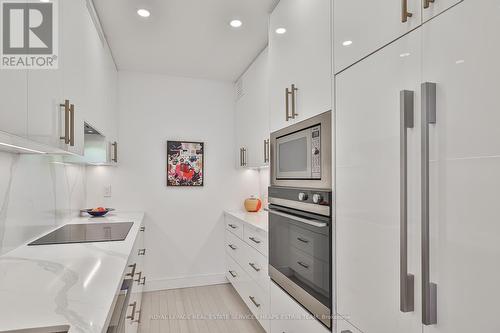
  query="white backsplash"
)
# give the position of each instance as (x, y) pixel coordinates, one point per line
(37, 192)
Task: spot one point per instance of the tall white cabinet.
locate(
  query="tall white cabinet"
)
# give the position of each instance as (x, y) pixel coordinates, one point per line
(300, 61)
(437, 230)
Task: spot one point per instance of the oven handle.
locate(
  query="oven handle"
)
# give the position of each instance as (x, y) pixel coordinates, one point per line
(314, 223)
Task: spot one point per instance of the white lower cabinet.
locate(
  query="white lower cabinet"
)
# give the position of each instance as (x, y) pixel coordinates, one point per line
(287, 316)
(135, 271)
(246, 269)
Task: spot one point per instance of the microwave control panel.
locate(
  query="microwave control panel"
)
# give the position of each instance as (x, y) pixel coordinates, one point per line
(316, 152)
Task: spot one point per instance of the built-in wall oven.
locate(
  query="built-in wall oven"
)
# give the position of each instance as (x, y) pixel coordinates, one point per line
(301, 154)
(300, 247)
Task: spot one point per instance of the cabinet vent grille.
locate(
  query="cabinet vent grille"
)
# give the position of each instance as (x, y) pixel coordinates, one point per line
(239, 89)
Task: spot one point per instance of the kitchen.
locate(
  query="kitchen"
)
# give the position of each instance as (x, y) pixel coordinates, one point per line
(362, 133)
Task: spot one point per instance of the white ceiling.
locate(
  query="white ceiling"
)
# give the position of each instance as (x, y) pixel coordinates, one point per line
(189, 38)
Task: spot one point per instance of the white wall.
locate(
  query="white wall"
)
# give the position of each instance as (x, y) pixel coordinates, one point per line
(36, 193)
(185, 230)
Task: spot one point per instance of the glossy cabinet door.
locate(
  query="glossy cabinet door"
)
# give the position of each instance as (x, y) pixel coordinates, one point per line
(362, 27)
(461, 49)
(301, 56)
(44, 97)
(431, 9)
(13, 101)
(368, 179)
(252, 114)
(73, 46)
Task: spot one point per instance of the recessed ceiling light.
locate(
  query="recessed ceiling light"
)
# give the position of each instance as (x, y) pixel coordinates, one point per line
(280, 31)
(404, 55)
(143, 12)
(236, 23)
(44, 0)
(460, 61)
(347, 42)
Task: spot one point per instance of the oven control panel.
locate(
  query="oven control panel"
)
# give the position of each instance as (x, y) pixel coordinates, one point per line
(316, 152)
(311, 200)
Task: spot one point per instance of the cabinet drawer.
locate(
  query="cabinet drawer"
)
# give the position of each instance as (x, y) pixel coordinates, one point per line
(314, 244)
(234, 225)
(310, 268)
(235, 247)
(256, 238)
(256, 266)
(234, 272)
(290, 317)
(257, 301)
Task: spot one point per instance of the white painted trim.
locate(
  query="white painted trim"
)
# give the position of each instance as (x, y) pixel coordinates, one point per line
(185, 282)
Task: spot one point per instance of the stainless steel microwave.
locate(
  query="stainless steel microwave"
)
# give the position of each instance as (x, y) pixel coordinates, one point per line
(301, 154)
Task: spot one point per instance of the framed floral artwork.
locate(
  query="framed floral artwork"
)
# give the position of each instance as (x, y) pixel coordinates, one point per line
(185, 163)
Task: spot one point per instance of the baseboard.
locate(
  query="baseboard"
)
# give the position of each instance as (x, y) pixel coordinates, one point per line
(185, 282)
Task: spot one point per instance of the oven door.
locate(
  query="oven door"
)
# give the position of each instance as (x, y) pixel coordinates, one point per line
(293, 156)
(300, 256)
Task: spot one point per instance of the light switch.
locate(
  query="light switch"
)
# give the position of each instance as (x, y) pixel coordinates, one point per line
(107, 191)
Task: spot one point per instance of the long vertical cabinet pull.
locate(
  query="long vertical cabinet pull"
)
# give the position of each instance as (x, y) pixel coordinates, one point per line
(266, 151)
(429, 289)
(287, 104)
(66, 136)
(115, 152)
(241, 157)
(405, 14)
(407, 281)
(72, 125)
(294, 100)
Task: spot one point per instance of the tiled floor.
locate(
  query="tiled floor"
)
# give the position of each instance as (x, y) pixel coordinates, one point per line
(198, 309)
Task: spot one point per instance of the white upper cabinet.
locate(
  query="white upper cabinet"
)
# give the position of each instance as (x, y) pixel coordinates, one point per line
(86, 78)
(13, 101)
(252, 115)
(300, 54)
(361, 27)
(432, 8)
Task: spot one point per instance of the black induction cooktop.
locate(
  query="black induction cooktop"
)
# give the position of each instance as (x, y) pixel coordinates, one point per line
(86, 233)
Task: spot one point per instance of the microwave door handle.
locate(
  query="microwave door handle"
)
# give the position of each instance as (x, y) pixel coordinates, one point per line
(314, 223)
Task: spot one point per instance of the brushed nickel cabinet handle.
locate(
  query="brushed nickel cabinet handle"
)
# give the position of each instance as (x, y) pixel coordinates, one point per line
(132, 273)
(251, 264)
(66, 121)
(232, 247)
(294, 98)
(255, 240)
(429, 289)
(134, 306)
(141, 252)
(302, 240)
(266, 151)
(406, 280)
(233, 274)
(72, 125)
(346, 331)
(139, 278)
(287, 104)
(303, 265)
(143, 281)
(427, 3)
(143, 228)
(404, 11)
(115, 152)
(232, 226)
(253, 301)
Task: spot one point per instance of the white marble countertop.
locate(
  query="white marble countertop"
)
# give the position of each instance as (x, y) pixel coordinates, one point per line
(258, 220)
(67, 284)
